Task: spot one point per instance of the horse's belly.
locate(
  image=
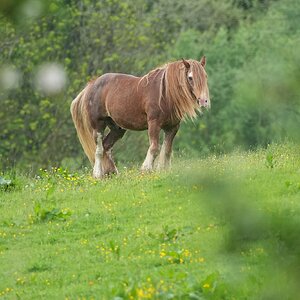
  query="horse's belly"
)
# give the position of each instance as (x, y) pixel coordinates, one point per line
(131, 119)
(131, 125)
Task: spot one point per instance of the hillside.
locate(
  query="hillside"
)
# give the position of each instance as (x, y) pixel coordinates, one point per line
(214, 228)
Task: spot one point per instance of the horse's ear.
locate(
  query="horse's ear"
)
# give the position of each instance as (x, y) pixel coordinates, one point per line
(203, 61)
(186, 63)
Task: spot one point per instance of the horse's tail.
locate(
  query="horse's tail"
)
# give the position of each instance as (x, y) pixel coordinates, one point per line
(83, 126)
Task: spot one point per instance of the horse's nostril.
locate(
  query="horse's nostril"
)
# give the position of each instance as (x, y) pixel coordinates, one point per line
(203, 101)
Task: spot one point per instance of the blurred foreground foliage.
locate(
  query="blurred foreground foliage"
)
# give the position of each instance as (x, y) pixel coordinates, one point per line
(260, 204)
(253, 67)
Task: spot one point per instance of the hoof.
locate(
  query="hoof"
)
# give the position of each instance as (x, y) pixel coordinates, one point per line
(97, 175)
(146, 169)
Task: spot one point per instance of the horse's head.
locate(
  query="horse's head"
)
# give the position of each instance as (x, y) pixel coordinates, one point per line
(197, 81)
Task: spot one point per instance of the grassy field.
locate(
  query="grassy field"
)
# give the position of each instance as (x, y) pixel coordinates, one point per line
(223, 227)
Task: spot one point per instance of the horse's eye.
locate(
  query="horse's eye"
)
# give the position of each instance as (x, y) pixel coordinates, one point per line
(190, 78)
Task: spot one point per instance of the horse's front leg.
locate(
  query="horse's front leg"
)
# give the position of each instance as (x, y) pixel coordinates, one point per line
(164, 160)
(153, 133)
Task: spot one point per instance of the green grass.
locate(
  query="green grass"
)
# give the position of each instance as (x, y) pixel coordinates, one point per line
(217, 228)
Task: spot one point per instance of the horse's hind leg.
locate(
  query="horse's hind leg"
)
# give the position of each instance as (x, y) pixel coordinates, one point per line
(153, 132)
(97, 170)
(164, 160)
(98, 135)
(115, 134)
(104, 164)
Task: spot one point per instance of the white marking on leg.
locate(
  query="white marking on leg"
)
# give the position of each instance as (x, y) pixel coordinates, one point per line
(164, 160)
(97, 171)
(162, 157)
(148, 163)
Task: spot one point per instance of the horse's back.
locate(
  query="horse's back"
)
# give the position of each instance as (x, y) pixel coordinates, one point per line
(119, 97)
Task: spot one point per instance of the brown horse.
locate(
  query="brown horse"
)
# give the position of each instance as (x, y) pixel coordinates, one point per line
(158, 100)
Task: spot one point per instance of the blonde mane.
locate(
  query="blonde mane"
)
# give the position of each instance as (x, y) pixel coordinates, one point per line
(175, 88)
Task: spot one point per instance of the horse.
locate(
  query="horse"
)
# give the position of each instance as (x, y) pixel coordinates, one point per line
(157, 101)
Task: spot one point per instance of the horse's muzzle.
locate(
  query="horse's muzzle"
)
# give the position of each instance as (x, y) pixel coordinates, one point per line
(203, 103)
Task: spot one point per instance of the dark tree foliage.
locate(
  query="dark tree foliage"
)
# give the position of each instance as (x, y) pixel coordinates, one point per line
(250, 48)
